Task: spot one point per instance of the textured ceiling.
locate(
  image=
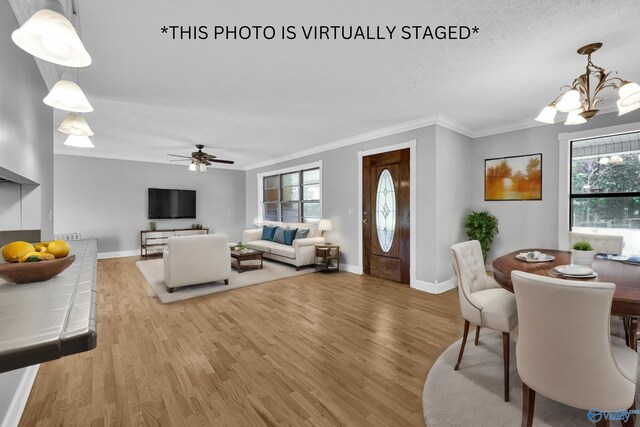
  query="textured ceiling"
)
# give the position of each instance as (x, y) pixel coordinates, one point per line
(254, 100)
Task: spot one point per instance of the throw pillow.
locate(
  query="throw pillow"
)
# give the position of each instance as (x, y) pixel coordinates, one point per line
(289, 235)
(268, 232)
(278, 237)
(302, 233)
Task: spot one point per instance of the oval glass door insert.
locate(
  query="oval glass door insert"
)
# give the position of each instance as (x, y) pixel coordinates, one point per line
(385, 210)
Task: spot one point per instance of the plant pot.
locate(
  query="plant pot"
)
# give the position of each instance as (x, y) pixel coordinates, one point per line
(584, 258)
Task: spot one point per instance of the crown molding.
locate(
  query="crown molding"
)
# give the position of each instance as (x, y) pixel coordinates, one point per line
(88, 152)
(525, 124)
(434, 119)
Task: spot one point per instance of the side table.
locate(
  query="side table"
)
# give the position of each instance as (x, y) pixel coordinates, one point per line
(327, 257)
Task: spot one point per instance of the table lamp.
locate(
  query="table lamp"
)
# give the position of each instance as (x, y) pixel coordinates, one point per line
(325, 225)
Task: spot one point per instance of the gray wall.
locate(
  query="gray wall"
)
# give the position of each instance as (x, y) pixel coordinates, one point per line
(26, 139)
(340, 193)
(107, 199)
(529, 223)
(26, 145)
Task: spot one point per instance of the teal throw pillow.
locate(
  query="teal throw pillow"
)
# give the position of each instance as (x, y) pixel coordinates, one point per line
(268, 232)
(289, 236)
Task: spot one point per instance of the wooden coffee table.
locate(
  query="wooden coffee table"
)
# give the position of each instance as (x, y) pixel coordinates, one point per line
(246, 260)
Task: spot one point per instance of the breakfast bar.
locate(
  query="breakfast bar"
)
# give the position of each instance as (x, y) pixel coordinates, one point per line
(47, 320)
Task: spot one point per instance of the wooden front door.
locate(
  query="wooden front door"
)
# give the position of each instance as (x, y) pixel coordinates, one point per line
(385, 215)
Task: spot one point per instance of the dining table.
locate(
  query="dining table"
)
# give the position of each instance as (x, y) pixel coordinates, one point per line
(626, 277)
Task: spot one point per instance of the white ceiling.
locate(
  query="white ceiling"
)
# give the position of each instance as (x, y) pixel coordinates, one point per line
(252, 101)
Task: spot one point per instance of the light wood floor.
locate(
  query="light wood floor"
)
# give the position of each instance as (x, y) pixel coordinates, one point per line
(314, 350)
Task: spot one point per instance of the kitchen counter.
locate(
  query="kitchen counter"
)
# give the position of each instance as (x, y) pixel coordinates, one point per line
(47, 320)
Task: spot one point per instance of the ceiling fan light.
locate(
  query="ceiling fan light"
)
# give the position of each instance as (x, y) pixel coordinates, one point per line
(624, 110)
(203, 167)
(629, 94)
(574, 118)
(50, 36)
(192, 167)
(75, 124)
(67, 95)
(569, 102)
(79, 141)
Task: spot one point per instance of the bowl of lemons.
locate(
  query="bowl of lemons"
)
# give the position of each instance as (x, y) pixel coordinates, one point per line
(25, 262)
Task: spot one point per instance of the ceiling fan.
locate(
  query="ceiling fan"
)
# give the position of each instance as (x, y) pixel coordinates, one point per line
(200, 160)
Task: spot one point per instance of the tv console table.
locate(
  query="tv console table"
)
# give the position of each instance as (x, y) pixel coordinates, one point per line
(157, 240)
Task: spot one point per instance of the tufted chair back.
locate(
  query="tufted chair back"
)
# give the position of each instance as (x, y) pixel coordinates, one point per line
(468, 263)
(564, 350)
(602, 243)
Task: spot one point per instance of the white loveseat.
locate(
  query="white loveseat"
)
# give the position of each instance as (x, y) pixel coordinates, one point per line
(300, 253)
(190, 260)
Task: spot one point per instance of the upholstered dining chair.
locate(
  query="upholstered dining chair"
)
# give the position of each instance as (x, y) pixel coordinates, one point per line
(482, 301)
(565, 351)
(602, 243)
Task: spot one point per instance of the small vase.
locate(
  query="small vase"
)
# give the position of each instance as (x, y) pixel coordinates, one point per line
(584, 258)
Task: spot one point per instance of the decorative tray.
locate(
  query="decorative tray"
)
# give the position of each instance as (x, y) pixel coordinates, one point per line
(27, 272)
(525, 258)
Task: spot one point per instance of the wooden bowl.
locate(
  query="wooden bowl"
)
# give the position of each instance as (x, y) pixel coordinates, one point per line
(27, 272)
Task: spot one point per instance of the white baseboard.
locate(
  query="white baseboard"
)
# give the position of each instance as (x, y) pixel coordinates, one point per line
(350, 268)
(119, 254)
(20, 397)
(435, 288)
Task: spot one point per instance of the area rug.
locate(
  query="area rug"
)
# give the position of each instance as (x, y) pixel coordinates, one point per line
(473, 396)
(153, 272)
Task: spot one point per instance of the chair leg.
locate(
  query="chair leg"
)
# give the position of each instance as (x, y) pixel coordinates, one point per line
(528, 405)
(505, 354)
(170, 290)
(226, 281)
(631, 421)
(626, 330)
(464, 341)
(477, 334)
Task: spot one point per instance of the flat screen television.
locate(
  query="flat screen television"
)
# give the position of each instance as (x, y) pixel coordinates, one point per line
(166, 204)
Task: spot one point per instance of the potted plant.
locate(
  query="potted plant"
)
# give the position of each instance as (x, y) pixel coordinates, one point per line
(582, 254)
(240, 247)
(482, 226)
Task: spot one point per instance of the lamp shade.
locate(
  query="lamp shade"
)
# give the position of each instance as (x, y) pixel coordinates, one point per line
(629, 94)
(624, 110)
(325, 225)
(67, 95)
(50, 36)
(574, 118)
(79, 141)
(547, 115)
(192, 167)
(75, 124)
(569, 102)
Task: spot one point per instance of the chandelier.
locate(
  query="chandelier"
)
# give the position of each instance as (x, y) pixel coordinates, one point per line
(580, 101)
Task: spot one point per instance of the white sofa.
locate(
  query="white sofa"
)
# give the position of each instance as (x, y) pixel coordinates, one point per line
(190, 260)
(301, 253)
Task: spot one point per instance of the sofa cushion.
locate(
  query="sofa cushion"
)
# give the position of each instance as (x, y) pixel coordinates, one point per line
(283, 250)
(278, 236)
(262, 245)
(302, 233)
(289, 236)
(268, 232)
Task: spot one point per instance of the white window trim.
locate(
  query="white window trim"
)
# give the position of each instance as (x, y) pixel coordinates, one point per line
(564, 173)
(261, 176)
(411, 145)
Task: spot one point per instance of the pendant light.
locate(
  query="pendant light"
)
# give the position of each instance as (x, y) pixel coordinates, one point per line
(75, 124)
(79, 141)
(192, 167)
(49, 35)
(582, 98)
(67, 95)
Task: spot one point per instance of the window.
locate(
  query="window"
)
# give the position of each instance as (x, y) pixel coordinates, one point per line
(292, 196)
(605, 187)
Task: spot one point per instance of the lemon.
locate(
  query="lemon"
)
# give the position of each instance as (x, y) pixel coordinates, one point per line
(12, 252)
(42, 246)
(58, 248)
